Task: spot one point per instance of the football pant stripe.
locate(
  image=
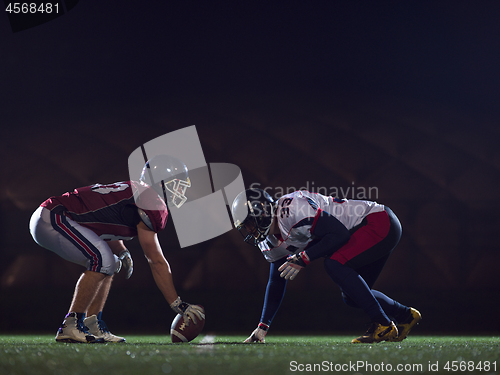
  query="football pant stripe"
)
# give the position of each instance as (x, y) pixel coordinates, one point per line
(61, 224)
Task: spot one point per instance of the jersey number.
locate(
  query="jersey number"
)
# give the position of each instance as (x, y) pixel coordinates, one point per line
(285, 210)
(112, 188)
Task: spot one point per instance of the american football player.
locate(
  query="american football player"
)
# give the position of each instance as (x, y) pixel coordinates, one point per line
(89, 225)
(354, 237)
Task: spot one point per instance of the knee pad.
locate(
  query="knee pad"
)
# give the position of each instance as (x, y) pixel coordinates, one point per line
(110, 264)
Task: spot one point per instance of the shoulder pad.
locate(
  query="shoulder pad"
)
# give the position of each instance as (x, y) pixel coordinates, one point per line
(145, 218)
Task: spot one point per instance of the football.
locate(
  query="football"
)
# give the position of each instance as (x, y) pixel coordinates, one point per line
(180, 332)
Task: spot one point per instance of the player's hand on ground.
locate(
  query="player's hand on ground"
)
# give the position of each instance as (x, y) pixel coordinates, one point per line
(194, 312)
(259, 334)
(127, 262)
(294, 263)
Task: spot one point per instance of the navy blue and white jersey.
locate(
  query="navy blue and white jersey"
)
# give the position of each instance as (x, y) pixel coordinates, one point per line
(297, 214)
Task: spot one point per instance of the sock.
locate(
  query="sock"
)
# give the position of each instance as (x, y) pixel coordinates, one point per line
(391, 307)
(79, 316)
(356, 288)
(99, 315)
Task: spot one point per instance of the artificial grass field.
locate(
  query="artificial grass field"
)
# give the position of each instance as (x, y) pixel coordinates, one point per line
(211, 354)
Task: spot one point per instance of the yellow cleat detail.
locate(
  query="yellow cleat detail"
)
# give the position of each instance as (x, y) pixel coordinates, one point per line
(377, 333)
(405, 327)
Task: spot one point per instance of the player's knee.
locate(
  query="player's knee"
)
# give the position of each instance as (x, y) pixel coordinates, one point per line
(348, 300)
(337, 271)
(108, 266)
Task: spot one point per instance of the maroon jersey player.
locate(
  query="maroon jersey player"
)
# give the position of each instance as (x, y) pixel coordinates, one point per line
(89, 225)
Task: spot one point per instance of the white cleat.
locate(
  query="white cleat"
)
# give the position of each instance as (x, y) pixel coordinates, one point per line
(99, 329)
(73, 330)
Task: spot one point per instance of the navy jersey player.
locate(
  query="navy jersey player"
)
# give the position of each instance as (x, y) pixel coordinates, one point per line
(354, 237)
(88, 226)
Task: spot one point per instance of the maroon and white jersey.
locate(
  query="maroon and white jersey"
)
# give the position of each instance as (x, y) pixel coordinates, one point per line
(112, 211)
(297, 214)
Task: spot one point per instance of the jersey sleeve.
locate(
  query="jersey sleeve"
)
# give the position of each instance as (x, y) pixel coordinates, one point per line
(275, 291)
(145, 219)
(329, 234)
(273, 248)
(151, 208)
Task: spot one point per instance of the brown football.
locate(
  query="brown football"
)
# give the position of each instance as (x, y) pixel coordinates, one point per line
(180, 332)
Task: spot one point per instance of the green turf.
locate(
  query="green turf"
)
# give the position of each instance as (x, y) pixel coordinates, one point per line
(29, 354)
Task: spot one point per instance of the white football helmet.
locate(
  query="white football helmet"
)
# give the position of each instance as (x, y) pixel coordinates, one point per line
(253, 211)
(169, 177)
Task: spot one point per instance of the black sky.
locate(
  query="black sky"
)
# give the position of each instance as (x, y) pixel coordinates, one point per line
(440, 52)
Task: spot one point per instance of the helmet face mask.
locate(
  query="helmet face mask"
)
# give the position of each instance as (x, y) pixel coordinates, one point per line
(252, 232)
(253, 212)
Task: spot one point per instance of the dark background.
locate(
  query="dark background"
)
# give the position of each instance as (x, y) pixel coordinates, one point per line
(397, 95)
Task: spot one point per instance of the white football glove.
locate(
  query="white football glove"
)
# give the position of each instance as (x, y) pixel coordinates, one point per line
(191, 311)
(259, 334)
(294, 263)
(127, 262)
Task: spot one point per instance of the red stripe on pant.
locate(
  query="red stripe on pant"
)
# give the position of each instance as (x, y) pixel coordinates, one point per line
(95, 260)
(375, 230)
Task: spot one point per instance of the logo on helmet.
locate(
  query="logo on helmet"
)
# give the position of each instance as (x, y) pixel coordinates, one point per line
(169, 177)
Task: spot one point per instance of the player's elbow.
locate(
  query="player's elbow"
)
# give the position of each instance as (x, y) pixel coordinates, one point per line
(156, 260)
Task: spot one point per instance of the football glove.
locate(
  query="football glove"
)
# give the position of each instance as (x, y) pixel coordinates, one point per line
(294, 263)
(185, 309)
(127, 262)
(259, 334)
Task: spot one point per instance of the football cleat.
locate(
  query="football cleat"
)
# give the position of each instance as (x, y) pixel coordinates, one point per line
(99, 329)
(377, 333)
(405, 327)
(73, 330)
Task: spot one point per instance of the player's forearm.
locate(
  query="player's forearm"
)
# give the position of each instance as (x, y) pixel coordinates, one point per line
(275, 292)
(331, 234)
(163, 278)
(117, 246)
(326, 246)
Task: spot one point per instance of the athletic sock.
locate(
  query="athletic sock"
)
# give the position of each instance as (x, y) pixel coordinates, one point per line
(79, 316)
(391, 307)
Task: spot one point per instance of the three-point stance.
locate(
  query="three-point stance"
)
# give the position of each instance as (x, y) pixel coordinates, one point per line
(354, 237)
(88, 226)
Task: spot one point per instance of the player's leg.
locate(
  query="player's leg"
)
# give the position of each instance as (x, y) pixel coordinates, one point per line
(369, 267)
(86, 291)
(97, 304)
(45, 234)
(81, 246)
(352, 284)
(404, 317)
(106, 263)
(367, 244)
(370, 272)
(94, 321)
